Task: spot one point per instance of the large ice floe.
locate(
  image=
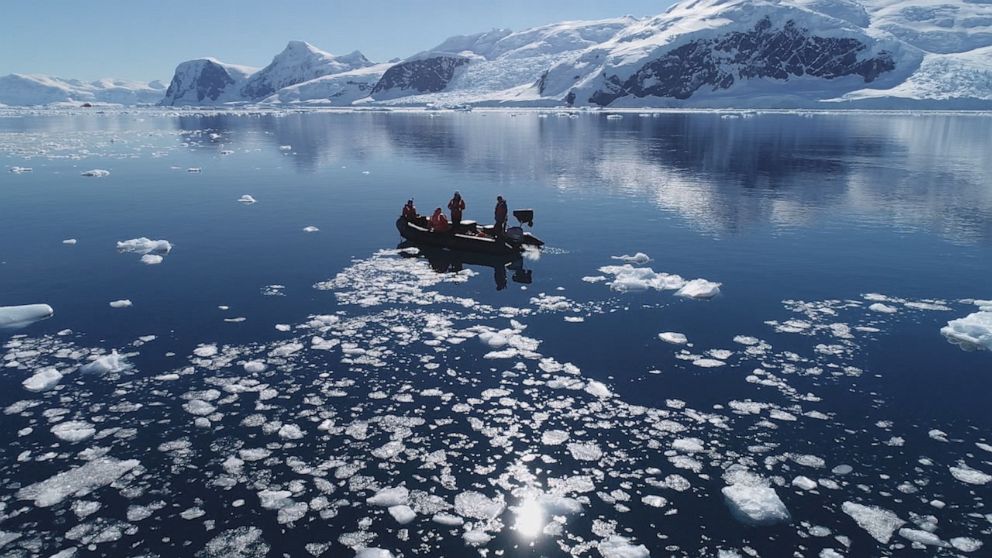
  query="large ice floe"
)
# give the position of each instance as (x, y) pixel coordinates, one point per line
(12, 317)
(973, 331)
(627, 277)
(412, 419)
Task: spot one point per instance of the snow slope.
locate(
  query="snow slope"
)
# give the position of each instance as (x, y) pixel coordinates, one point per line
(337, 89)
(31, 89)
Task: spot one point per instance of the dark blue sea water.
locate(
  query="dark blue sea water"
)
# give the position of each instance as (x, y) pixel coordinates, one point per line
(805, 217)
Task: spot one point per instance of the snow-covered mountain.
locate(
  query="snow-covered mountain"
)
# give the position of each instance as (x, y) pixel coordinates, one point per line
(207, 81)
(297, 63)
(699, 53)
(30, 89)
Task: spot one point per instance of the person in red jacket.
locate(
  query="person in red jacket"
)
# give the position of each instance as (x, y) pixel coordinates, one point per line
(409, 211)
(500, 215)
(439, 223)
(456, 205)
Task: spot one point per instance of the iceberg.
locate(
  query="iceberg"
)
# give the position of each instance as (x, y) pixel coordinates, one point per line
(145, 246)
(96, 173)
(20, 316)
(974, 331)
(755, 505)
(43, 380)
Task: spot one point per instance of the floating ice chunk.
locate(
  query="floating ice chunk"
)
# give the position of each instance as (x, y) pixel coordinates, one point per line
(79, 480)
(883, 308)
(20, 316)
(621, 547)
(105, 364)
(708, 362)
(475, 505)
(588, 451)
(448, 519)
(699, 288)
(254, 366)
(123, 303)
(194, 170)
(247, 199)
(290, 432)
(476, 537)
(285, 147)
(968, 475)
(241, 542)
(879, 522)
(966, 544)
(554, 437)
(96, 173)
(43, 380)
(639, 258)
(971, 332)
(151, 259)
(73, 431)
(920, 536)
(688, 445)
(804, 483)
(20, 170)
(145, 245)
(654, 501)
(402, 513)
(630, 278)
(598, 389)
(755, 505)
(310, 229)
(673, 338)
(205, 351)
(594, 278)
(199, 407)
(389, 497)
(69, 242)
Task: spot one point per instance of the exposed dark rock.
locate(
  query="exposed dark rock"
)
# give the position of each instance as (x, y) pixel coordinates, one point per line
(426, 75)
(763, 52)
(209, 83)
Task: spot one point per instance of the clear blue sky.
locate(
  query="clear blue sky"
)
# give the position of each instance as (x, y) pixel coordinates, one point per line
(145, 39)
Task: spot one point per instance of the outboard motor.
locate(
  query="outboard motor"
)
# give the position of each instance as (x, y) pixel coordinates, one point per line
(524, 216)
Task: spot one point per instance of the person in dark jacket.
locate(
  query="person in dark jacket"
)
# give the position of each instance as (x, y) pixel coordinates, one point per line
(409, 211)
(501, 212)
(456, 205)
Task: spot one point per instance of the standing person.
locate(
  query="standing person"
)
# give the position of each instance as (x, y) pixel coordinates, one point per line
(456, 205)
(409, 211)
(439, 223)
(500, 215)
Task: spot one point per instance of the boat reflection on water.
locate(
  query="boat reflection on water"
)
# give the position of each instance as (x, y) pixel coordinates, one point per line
(443, 260)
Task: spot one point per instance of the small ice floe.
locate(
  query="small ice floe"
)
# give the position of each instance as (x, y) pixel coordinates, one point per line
(247, 199)
(708, 362)
(373, 553)
(226, 152)
(883, 308)
(615, 117)
(673, 338)
(967, 475)
(699, 288)
(283, 327)
(617, 546)
(285, 147)
(69, 242)
(194, 170)
(639, 258)
(973, 331)
(96, 173)
(123, 303)
(880, 523)
(205, 351)
(20, 170)
(105, 364)
(73, 431)
(12, 317)
(402, 513)
(151, 259)
(145, 245)
(754, 504)
(43, 380)
(310, 229)
(389, 497)
(274, 290)
(254, 366)
(598, 389)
